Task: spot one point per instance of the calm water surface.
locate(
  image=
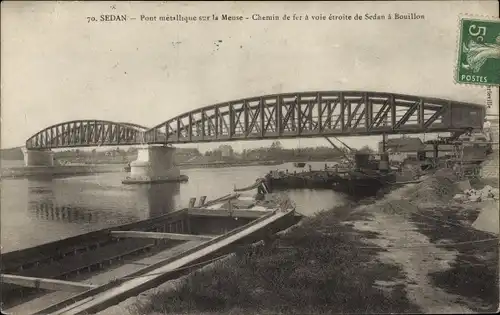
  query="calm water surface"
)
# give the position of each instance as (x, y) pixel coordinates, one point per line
(37, 211)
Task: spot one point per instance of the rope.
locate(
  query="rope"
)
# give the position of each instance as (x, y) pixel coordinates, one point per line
(487, 264)
(436, 219)
(176, 269)
(205, 262)
(348, 147)
(338, 149)
(439, 220)
(257, 183)
(434, 245)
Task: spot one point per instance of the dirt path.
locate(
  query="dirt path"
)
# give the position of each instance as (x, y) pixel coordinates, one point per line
(417, 262)
(412, 222)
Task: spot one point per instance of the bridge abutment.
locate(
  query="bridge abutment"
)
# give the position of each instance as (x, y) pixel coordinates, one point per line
(38, 157)
(154, 164)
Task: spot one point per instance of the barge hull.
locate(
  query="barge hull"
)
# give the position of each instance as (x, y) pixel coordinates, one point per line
(363, 187)
(112, 293)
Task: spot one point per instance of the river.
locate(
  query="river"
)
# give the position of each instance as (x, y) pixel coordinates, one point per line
(37, 211)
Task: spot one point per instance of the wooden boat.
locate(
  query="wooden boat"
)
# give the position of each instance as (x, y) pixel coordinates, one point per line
(299, 164)
(155, 180)
(149, 252)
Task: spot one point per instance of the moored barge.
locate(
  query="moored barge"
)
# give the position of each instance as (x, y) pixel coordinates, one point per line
(366, 178)
(362, 177)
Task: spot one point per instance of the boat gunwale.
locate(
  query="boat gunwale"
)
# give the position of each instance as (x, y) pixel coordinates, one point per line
(92, 292)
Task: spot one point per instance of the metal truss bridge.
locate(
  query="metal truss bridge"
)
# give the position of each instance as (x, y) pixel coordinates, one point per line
(278, 116)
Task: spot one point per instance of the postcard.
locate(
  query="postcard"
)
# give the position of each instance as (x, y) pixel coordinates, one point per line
(249, 157)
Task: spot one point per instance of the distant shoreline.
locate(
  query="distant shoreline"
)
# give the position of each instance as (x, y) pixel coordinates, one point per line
(19, 171)
(60, 170)
(227, 164)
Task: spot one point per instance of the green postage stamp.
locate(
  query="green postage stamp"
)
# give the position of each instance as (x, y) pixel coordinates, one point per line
(479, 52)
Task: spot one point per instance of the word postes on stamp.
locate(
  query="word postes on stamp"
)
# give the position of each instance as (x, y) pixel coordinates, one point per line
(479, 52)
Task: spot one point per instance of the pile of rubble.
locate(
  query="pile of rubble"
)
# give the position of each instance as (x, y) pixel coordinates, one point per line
(477, 195)
(435, 189)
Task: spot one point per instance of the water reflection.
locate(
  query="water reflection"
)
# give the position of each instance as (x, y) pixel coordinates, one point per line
(161, 198)
(49, 211)
(48, 202)
(41, 210)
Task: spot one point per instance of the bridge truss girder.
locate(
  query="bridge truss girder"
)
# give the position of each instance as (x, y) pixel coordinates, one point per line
(317, 114)
(87, 133)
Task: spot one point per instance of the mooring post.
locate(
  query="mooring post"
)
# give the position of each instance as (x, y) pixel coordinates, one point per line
(384, 139)
(187, 225)
(192, 201)
(202, 200)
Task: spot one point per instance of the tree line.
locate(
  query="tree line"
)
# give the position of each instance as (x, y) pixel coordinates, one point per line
(224, 152)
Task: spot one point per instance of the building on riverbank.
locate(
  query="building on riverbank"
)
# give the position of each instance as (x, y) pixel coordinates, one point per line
(474, 146)
(402, 148)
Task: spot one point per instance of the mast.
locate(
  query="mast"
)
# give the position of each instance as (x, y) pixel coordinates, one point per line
(338, 149)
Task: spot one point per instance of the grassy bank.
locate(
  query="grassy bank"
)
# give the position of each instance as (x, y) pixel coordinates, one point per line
(322, 266)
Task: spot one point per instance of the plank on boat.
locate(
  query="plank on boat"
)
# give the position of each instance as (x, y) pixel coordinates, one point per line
(241, 213)
(47, 284)
(160, 235)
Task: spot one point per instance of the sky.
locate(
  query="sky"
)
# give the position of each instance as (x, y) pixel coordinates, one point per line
(58, 67)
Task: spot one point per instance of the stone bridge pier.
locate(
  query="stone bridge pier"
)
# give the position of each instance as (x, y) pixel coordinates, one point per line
(155, 164)
(38, 157)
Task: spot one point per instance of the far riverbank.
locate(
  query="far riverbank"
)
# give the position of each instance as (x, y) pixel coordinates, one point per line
(15, 169)
(59, 170)
(219, 164)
